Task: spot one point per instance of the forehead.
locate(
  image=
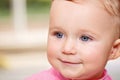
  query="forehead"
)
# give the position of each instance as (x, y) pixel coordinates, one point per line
(68, 14)
(65, 10)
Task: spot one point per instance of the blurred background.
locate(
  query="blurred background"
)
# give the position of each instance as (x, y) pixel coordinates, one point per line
(23, 38)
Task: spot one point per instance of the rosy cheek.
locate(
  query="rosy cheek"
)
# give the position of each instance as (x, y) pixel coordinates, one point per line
(52, 46)
(90, 52)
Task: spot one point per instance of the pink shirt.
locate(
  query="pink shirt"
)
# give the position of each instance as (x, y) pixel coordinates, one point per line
(52, 74)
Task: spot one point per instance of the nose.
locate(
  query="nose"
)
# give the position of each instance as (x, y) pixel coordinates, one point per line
(69, 47)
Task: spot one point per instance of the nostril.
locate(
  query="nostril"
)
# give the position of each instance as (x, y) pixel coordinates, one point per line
(69, 51)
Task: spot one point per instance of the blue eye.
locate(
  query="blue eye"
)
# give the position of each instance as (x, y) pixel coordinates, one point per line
(85, 38)
(59, 35)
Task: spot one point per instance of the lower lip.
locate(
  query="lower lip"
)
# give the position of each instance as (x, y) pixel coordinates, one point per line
(69, 63)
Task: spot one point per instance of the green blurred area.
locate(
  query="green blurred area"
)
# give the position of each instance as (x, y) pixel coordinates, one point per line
(38, 6)
(4, 8)
(33, 7)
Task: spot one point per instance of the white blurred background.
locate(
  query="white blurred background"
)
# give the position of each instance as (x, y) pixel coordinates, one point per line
(23, 37)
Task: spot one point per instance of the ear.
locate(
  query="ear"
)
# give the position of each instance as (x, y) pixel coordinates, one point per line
(115, 52)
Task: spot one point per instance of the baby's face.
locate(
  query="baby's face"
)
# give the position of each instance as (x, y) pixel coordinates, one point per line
(80, 40)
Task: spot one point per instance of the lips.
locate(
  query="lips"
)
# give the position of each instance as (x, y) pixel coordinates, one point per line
(69, 62)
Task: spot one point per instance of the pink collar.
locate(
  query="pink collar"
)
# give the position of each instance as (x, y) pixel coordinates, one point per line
(105, 77)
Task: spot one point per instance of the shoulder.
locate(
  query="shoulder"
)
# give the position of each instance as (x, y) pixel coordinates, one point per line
(44, 75)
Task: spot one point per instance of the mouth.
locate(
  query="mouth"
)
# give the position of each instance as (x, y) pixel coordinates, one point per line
(69, 62)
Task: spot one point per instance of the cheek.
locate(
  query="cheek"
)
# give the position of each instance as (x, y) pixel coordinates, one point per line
(94, 57)
(50, 48)
(53, 48)
(51, 52)
(95, 54)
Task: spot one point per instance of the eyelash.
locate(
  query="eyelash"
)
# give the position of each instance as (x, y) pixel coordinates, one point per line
(58, 34)
(83, 38)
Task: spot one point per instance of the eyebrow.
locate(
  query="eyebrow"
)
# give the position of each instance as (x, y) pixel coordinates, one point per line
(89, 31)
(79, 30)
(56, 27)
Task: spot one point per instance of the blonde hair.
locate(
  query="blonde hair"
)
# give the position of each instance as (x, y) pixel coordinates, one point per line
(113, 7)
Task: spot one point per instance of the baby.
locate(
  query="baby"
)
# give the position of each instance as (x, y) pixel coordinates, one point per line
(83, 37)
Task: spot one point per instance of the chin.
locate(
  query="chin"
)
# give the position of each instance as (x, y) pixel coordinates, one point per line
(70, 75)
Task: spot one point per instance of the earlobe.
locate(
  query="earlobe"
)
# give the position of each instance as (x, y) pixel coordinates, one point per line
(115, 53)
